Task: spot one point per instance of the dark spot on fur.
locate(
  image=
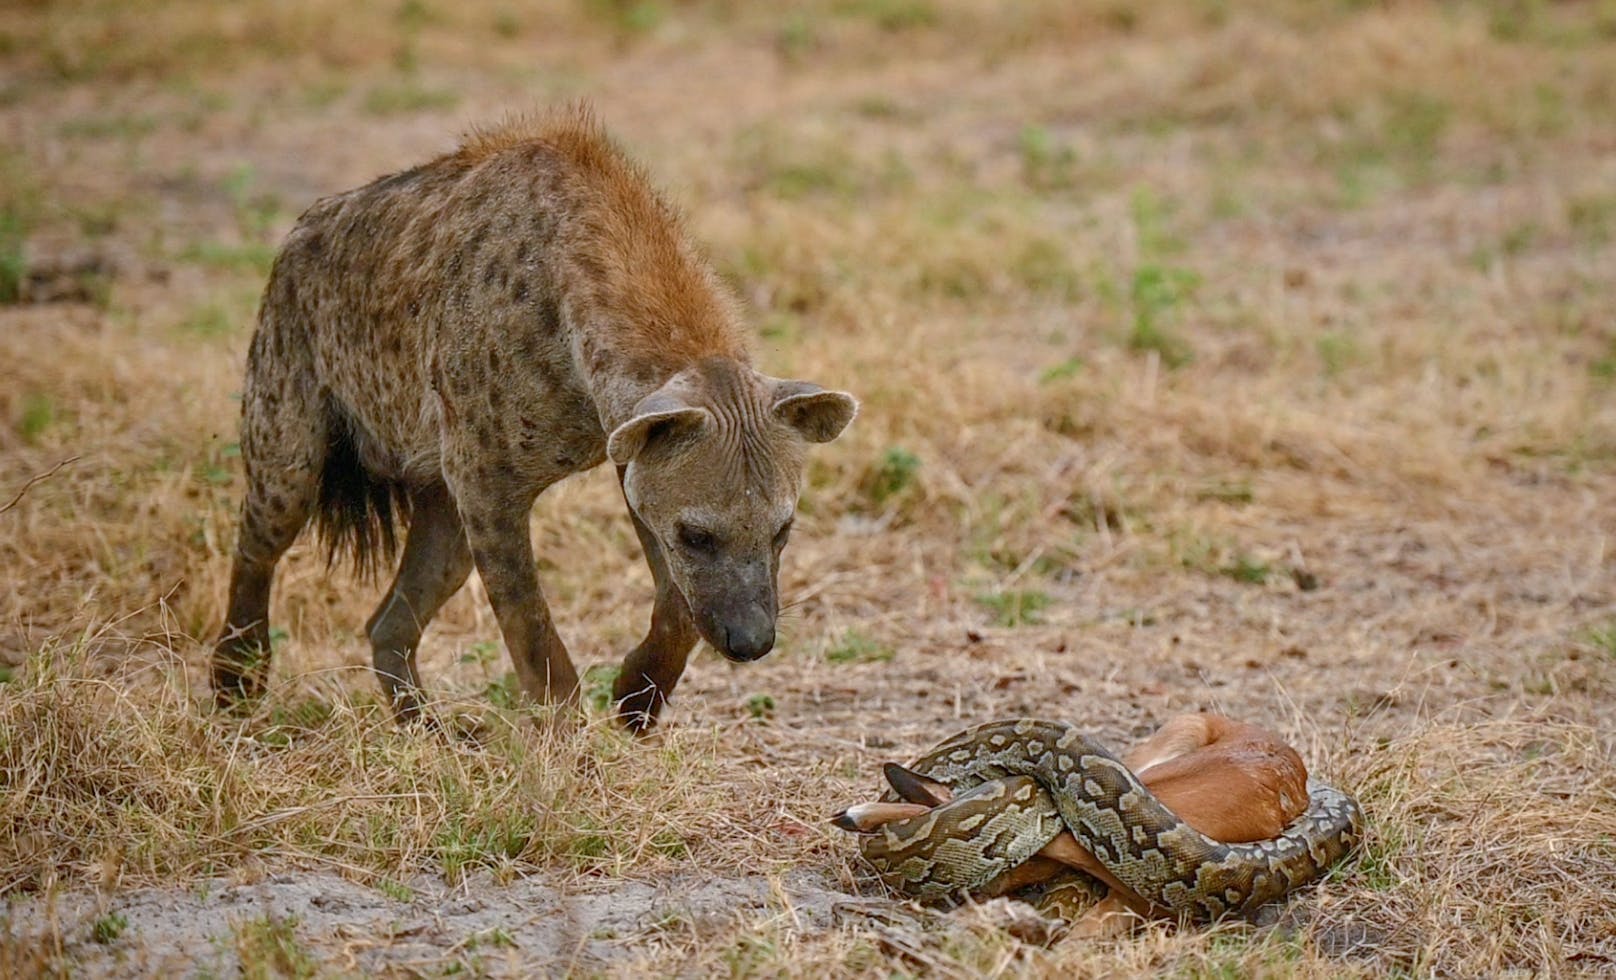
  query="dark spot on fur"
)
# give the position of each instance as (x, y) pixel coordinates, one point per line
(519, 291)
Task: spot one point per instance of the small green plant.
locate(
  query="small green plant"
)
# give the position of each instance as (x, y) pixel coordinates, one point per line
(1046, 165)
(855, 647)
(255, 257)
(268, 947)
(628, 18)
(496, 937)
(256, 210)
(760, 706)
(395, 890)
(209, 320)
(893, 475)
(1227, 492)
(598, 680)
(1603, 638)
(506, 24)
(1592, 218)
(38, 414)
(504, 693)
(487, 841)
(1336, 352)
(891, 15)
(1016, 607)
(1042, 267)
(13, 260)
(1245, 568)
(1156, 292)
(108, 928)
(1068, 368)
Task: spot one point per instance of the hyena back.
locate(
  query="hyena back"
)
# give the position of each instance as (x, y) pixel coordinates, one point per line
(441, 345)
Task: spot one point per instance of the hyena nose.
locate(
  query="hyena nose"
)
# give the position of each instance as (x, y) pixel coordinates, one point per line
(749, 639)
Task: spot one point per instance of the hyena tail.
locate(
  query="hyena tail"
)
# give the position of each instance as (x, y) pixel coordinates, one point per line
(358, 510)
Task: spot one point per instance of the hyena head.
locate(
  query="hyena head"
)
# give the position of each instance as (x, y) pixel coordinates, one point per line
(714, 462)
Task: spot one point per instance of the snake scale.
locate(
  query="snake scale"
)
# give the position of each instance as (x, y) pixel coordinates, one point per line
(1019, 783)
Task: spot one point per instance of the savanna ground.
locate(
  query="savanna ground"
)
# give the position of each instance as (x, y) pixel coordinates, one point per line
(1249, 356)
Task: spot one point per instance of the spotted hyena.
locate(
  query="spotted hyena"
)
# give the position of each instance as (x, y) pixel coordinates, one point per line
(439, 346)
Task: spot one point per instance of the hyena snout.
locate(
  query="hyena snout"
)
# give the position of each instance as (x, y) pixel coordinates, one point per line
(740, 628)
(747, 636)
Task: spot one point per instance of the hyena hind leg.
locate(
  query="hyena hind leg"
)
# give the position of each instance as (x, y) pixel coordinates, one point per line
(283, 445)
(436, 562)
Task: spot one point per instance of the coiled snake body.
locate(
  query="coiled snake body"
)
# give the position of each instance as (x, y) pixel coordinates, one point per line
(1020, 783)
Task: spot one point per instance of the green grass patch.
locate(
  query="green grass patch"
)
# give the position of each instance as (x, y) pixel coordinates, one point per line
(38, 414)
(268, 947)
(255, 257)
(892, 475)
(1016, 607)
(857, 648)
(597, 684)
(1156, 293)
(107, 928)
(13, 258)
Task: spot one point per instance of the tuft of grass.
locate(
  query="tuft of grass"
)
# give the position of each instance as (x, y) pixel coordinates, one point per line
(628, 18)
(1603, 638)
(269, 947)
(892, 475)
(38, 415)
(13, 257)
(209, 321)
(1247, 569)
(1016, 607)
(1046, 164)
(855, 647)
(254, 257)
(597, 686)
(1157, 292)
(891, 15)
(107, 928)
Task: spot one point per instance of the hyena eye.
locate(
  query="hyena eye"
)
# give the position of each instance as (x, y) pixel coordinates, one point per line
(698, 539)
(782, 535)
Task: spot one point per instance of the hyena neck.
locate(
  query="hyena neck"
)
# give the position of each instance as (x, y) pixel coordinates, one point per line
(620, 377)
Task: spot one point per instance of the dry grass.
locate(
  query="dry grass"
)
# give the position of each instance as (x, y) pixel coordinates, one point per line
(1255, 356)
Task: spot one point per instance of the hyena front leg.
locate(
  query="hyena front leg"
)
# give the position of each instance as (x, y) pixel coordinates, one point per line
(496, 521)
(651, 669)
(284, 438)
(435, 565)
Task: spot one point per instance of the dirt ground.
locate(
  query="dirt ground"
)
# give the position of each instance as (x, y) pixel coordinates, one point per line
(1252, 357)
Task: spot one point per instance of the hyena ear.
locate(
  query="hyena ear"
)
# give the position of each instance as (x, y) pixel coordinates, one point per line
(817, 414)
(659, 415)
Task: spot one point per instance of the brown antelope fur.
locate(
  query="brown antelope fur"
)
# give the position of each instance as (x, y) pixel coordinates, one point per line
(441, 345)
(1232, 781)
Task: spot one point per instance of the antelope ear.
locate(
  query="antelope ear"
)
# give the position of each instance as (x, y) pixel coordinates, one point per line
(662, 414)
(818, 415)
(915, 788)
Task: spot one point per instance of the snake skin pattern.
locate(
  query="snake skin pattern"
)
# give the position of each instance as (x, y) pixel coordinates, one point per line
(1019, 783)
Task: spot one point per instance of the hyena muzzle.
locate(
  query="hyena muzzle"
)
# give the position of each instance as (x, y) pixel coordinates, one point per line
(439, 346)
